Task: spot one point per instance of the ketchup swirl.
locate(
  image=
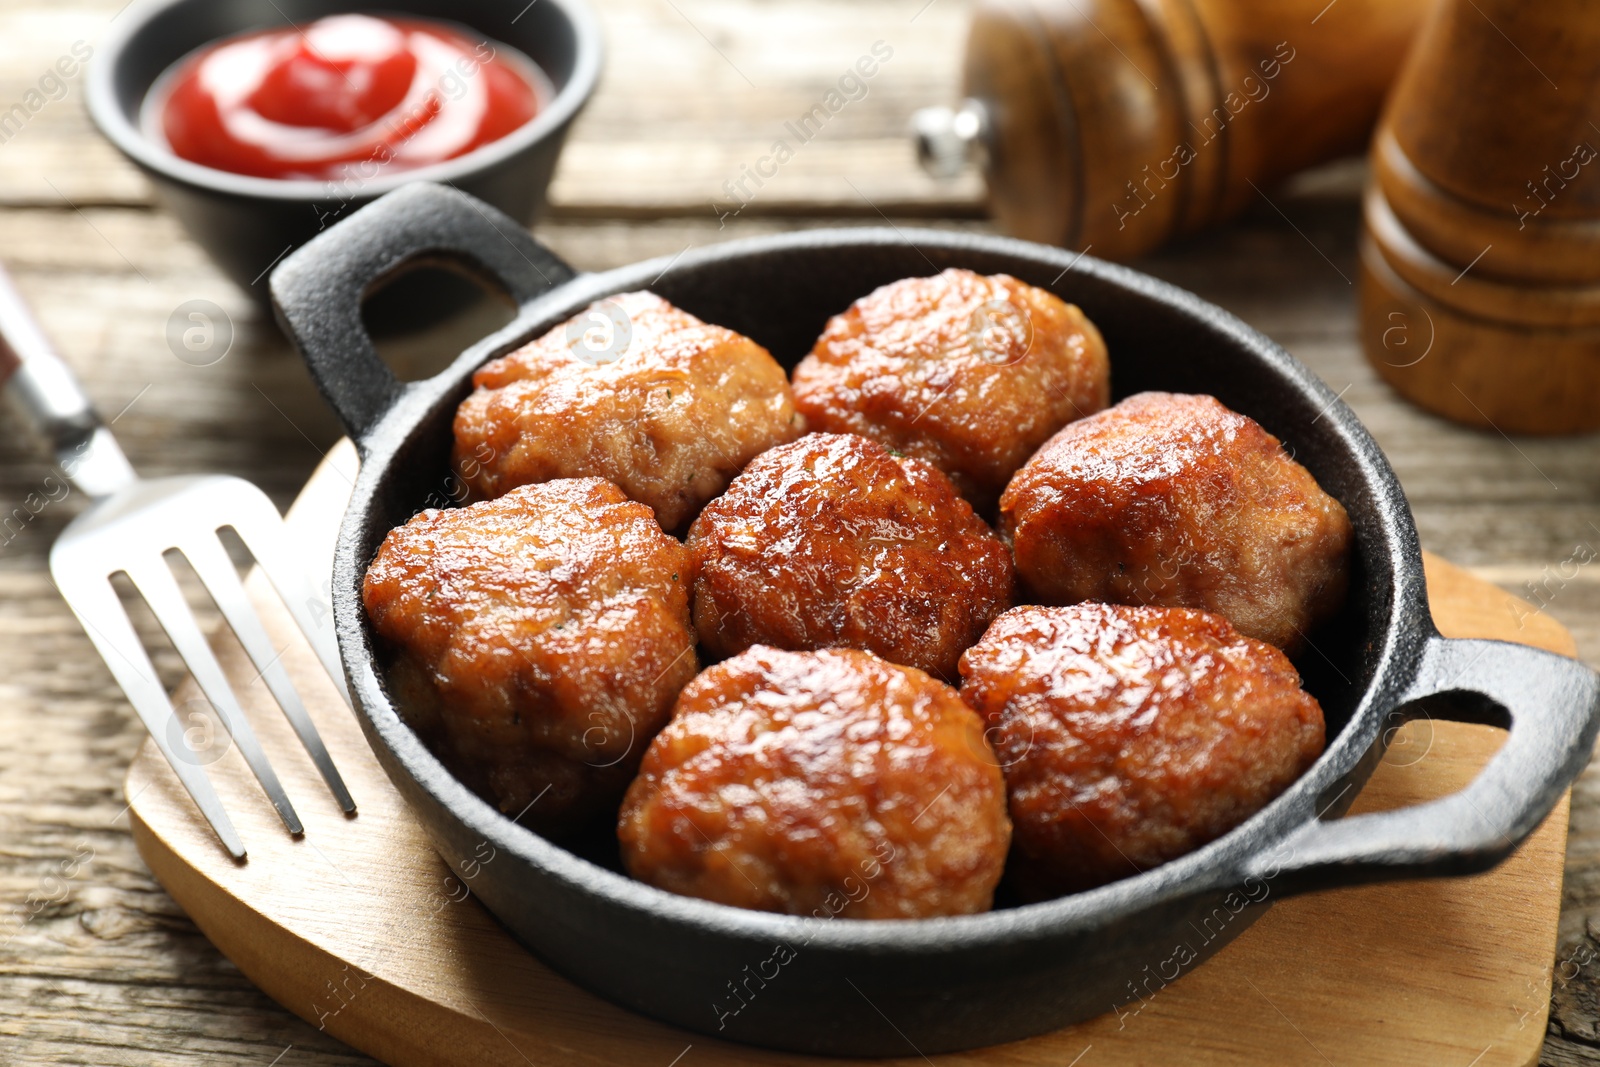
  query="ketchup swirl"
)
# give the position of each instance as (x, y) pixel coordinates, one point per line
(348, 90)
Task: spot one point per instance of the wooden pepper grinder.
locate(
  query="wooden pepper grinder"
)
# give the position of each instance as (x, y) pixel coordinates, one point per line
(1118, 124)
(1480, 256)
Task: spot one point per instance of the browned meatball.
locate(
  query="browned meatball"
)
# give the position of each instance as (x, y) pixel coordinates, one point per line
(834, 540)
(820, 783)
(1130, 736)
(542, 638)
(1176, 500)
(634, 390)
(970, 373)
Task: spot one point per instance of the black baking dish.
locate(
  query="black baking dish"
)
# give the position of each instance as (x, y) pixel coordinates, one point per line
(899, 988)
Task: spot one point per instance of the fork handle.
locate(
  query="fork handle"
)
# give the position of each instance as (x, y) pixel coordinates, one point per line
(47, 391)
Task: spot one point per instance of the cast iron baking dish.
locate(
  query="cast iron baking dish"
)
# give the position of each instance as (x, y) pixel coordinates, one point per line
(903, 987)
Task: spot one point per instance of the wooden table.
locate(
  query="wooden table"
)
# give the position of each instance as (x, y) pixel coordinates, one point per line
(97, 965)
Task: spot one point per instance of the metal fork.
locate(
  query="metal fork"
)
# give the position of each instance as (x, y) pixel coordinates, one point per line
(128, 528)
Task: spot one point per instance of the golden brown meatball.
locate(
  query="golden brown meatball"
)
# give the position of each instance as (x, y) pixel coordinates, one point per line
(1130, 736)
(1176, 500)
(542, 639)
(633, 390)
(834, 540)
(970, 373)
(820, 783)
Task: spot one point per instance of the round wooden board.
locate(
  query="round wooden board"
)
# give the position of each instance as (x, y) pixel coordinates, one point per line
(361, 929)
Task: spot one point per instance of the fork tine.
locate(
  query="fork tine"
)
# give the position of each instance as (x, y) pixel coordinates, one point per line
(95, 604)
(211, 563)
(160, 590)
(264, 533)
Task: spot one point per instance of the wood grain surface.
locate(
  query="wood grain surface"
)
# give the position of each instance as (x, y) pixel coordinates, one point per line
(97, 964)
(317, 922)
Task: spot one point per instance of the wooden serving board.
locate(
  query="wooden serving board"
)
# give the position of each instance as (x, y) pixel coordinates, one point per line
(362, 930)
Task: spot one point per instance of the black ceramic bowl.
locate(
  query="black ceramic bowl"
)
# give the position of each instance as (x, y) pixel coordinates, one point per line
(247, 224)
(892, 987)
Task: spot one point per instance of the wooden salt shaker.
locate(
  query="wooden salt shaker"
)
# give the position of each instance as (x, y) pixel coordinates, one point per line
(1118, 124)
(1480, 256)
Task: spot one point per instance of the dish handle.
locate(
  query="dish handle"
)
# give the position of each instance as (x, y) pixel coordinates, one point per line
(1553, 707)
(317, 291)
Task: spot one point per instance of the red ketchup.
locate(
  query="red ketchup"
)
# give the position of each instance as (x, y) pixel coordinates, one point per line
(347, 96)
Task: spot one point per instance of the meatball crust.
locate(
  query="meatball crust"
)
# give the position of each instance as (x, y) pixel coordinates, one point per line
(820, 783)
(1175, 500)
(833, 540)
(541, 640)
(1130, 736)
(670, 410)
(968, 372)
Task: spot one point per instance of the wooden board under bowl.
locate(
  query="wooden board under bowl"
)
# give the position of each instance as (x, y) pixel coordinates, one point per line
(360, 929)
